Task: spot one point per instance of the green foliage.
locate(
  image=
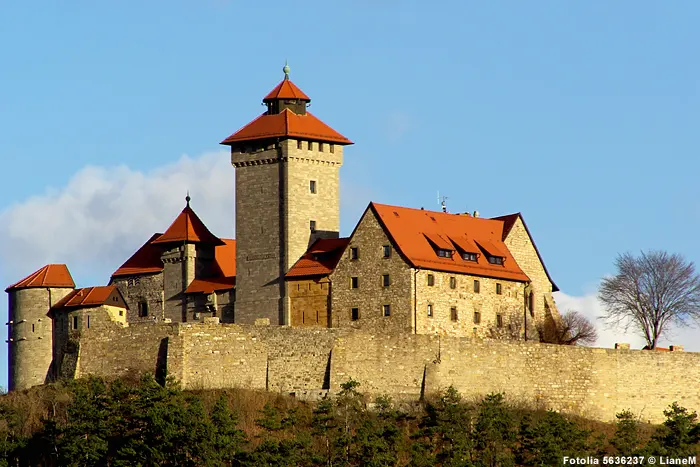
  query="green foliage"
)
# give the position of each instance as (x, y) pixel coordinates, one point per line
(93, 422)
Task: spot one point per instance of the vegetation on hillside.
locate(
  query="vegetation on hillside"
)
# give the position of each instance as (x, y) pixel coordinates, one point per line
(92, 422)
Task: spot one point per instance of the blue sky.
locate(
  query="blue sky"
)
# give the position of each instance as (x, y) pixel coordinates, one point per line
(581, 115)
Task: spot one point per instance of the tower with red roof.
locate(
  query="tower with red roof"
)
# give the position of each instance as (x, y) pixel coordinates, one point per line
(287, 165)
(30, 334)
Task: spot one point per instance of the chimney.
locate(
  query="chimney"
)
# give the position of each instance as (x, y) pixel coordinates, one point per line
(676, 348)
(622, 346)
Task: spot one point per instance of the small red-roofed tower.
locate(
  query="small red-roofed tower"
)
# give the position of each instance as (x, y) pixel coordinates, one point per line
(30, 333)
(188, 253)
(287, 165)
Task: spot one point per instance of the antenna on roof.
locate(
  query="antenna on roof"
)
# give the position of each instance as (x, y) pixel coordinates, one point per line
(441, 202)
(187, 198)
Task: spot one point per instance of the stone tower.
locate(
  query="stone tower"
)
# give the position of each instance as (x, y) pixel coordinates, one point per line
(188, 253)
(287, 165)
(30, 342)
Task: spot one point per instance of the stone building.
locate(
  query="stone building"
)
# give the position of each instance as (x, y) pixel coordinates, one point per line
(402, 270)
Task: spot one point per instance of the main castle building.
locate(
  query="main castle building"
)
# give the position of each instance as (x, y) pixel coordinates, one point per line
(402, 271)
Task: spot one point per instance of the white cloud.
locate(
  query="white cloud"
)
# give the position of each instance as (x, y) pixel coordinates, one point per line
(592, 308)
(103, 214)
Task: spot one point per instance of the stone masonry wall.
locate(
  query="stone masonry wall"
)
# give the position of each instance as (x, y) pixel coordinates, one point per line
(30, 333)
(510, 304)
(143, 287)
(371, 295)
(595, 383)
(259, 250)
(523, 250)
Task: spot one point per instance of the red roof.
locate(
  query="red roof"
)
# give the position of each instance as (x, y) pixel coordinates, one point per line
(211, 284)
(508, 223)
(188, 228)
(146, 260)
(411, 229)
(287, 124)
(321, 258)
(286, 90)
(89, 296)
(51, 275)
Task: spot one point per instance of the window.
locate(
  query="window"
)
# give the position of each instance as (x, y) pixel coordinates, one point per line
(75, 322)
(353, 282)
(143, 309)
(355, 314)
(121, 312)
(477, 286)
(453, 282)
(453, 313)
(312, 186)
(499, 320)
(430, 310)
(477, 317)
(386, 282)
(312, 226)
(320, 147)
(310, 146)
(445, 253)
(387, 251)
(88, 321)
(531, 303)
(469, 256)
(299, 143)
(386, 309)
(331, 147)
(431, 280)
(496, 259)
(498, 289)
(33, 328)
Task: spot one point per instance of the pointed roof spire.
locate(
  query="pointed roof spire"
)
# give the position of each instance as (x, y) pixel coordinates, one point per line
(187, 198)
(188, 228)
(286, 69)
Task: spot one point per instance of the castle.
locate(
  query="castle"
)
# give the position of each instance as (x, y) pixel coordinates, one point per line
(289, 305)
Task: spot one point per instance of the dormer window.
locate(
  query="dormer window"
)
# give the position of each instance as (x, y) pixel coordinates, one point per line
(496, 260)
(444, 253)
(469, 257)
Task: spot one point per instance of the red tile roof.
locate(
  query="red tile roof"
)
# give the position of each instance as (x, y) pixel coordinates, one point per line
(409, 230)
(188, 228)
(508, 223)
(51, 275)
(146, 260)
(211, 284)
(287, 124)
(89, 296)
(286, 90)
(320, 260)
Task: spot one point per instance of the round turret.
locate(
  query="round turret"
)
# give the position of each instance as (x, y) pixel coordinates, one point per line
(30, 334)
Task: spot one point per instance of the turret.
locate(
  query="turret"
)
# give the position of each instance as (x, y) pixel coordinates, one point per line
(30, 336)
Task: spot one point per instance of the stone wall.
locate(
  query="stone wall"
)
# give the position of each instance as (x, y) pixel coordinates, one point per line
(142, 288)
(371, 294)
(595, 383)
(259, 224)
(30, 335)
(523, 250)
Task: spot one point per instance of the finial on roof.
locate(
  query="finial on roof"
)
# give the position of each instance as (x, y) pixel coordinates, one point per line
(187, 198)
(286, 70)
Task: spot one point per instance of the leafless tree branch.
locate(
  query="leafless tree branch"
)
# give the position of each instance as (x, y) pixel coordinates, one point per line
(650, 294)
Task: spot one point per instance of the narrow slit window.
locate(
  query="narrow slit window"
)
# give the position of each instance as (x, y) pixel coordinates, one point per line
(430, 310)
(499, 320)
(312, 186)
(477, 286)
(354, 282)
(453, 313)
(355, 314)
(386, 281)
(477, 317)
(386, 309)
(312, 226)
(354, 253)
(499, 289)
(75, 322)
(431, 280)
(299, 144)
(387, 251)
(453, 282)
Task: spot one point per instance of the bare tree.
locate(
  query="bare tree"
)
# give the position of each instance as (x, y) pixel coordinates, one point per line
(651, 293)
(573, 328)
